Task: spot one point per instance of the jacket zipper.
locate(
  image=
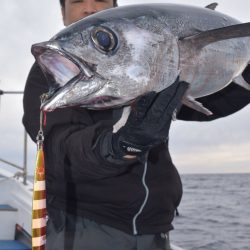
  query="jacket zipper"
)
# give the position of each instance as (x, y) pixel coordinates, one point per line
(135, 232)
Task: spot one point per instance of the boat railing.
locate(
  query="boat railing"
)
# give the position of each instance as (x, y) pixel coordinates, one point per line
(23, 168)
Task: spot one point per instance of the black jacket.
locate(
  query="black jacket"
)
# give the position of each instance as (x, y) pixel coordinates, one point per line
(126, 195)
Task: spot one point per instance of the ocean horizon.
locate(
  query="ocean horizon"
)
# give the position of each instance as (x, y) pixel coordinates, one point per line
(214, 212)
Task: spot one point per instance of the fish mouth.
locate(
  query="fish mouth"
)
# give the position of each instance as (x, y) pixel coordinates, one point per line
(61, 69)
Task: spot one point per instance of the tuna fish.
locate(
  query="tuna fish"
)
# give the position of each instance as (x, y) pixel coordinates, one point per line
(110, 58)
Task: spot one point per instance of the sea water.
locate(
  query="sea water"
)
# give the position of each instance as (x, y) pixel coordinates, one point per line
(214, 213)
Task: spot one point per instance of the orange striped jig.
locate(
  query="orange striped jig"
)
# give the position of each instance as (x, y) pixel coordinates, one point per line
(39, 212)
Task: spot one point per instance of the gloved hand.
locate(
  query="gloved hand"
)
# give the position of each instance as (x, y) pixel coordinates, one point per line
(149, 122)
(246, 73)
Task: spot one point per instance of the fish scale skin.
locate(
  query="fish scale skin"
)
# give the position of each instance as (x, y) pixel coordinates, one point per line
(151, 53)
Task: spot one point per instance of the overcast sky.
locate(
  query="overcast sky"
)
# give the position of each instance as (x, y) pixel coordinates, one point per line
(220, 146)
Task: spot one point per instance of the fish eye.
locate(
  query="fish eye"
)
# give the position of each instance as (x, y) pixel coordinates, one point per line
(104, 39)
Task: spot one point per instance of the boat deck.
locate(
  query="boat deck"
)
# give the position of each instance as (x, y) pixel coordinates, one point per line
(12, 245)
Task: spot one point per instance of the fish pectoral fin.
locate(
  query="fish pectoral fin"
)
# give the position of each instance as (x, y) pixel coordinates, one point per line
(123, 119)
(212, 6)
(193, 104)
(239, 80)
(211, 36)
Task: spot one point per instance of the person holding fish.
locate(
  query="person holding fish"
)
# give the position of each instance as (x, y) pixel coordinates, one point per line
(110, 180)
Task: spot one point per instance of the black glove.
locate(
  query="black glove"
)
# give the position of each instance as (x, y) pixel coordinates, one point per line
(246, 73)
(149, 122)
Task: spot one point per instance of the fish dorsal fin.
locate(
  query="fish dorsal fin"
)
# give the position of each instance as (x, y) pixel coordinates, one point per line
(212, 6)
(210, 36)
